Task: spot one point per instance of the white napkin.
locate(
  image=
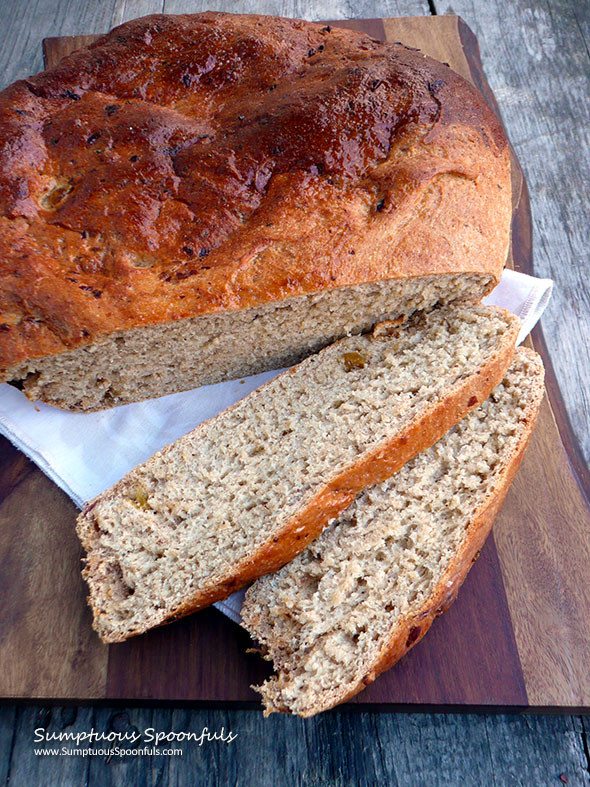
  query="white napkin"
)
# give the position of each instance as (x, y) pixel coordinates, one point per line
(86, 453)
(525, 296)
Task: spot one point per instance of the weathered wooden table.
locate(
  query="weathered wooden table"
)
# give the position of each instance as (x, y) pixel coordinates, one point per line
(536, 60)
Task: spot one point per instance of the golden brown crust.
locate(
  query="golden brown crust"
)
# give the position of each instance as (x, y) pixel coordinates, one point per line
(186, 165)
(337, 494)
(411, 630)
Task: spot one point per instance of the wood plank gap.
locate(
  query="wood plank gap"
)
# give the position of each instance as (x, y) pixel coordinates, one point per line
(12, 745)
(586, 749)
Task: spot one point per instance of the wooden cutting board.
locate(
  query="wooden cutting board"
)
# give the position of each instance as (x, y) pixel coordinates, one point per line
(518, 635)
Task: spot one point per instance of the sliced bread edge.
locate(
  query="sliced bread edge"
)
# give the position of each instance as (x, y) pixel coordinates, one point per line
(410, 630)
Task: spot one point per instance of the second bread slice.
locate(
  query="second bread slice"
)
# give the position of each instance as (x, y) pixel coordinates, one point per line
(246, 491)
(368, 589)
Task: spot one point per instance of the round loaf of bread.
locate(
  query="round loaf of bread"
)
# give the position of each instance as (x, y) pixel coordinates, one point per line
(194, 198)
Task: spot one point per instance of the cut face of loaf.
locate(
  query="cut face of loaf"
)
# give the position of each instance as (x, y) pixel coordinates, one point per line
(246, 491)
(147, 362)
(368, 588)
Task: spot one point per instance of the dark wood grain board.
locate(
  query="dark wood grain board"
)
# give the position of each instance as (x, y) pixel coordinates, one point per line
(518, 635)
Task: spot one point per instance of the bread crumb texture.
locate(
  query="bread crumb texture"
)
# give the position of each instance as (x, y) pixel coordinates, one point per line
(179, 525)
(326, 618)
(156, 360)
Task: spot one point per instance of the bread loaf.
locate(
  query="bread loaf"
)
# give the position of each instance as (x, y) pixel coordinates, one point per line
(246, 491)
(196, 198)
(368, 589)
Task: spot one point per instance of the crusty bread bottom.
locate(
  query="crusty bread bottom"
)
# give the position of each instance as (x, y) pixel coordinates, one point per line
(368, 588)
(149, 362)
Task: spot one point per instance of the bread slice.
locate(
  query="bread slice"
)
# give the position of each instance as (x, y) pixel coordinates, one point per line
(369, 587)
(246, 491)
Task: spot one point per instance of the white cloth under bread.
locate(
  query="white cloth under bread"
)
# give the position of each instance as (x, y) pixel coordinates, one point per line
(86, 453)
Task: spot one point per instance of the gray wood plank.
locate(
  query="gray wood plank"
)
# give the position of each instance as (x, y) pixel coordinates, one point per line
(7, 739)
(305, 9)
(130, 769)
(536, 58)
(27, 768)
(125, 10)
(545, 749)
(26, 24)
(334, 749)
